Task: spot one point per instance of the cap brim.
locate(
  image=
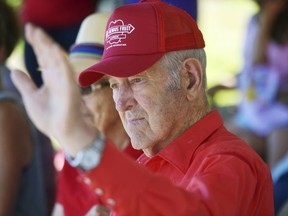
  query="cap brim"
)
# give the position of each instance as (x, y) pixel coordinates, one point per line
(118, 66)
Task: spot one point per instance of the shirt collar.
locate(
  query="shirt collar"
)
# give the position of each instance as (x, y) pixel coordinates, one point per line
(180, 152)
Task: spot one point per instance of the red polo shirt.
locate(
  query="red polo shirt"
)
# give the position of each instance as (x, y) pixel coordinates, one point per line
(73, 194)
(205, 171)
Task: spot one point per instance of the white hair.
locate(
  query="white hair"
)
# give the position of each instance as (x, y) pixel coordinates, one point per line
(172, 62)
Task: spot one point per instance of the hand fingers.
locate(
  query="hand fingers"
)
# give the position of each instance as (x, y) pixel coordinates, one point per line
(39, 41)
(23, 83)
(50, 56)
(44, 47)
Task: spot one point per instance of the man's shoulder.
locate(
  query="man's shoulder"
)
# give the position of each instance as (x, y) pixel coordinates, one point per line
(226, 144)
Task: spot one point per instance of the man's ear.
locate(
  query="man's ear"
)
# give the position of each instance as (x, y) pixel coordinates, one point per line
(193, 77)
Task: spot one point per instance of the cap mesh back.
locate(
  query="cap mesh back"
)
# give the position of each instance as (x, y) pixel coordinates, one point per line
(180, 30)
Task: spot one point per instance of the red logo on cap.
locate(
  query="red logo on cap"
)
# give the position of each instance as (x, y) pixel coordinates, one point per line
(116, 32)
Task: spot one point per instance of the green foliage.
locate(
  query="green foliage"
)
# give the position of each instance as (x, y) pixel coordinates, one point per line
(14, 3)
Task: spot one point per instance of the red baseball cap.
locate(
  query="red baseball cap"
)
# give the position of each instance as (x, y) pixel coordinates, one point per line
(138, 35)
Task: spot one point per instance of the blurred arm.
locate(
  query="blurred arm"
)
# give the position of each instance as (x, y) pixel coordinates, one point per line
(15, 154)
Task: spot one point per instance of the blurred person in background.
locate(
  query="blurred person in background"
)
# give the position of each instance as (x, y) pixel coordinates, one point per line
(261, 118)
(262, 115)
(73, 195)
(27, 181)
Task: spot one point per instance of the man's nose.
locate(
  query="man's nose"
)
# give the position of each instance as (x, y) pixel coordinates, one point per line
(124, 98)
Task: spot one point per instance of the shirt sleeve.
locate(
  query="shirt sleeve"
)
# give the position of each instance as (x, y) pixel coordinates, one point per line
(72, 192)
(218, 186)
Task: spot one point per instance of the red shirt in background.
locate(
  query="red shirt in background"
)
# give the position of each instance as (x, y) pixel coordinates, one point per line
(74, 194)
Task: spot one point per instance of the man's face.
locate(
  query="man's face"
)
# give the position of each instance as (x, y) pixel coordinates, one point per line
(149, 109)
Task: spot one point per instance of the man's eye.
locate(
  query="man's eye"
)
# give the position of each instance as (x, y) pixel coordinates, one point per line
(136, 80)
(86, 90)
(113, 85)
(105, 84)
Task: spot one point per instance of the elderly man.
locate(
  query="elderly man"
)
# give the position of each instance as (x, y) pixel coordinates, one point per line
(155, 63)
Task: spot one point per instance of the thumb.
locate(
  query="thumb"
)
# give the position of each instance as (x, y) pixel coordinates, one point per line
(23, 83)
